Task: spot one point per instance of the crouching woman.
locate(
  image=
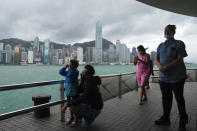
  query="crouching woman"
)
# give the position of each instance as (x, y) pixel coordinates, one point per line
(89, 105)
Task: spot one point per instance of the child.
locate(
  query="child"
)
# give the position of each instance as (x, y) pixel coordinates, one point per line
(71, 85)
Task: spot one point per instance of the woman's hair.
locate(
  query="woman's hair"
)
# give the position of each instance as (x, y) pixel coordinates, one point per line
(141, 47)
(90, 70)
(74, 63)
(172, 28)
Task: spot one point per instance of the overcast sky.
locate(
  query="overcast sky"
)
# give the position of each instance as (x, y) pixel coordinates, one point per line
(70, 21)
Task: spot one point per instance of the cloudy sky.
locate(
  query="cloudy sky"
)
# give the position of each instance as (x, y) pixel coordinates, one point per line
(70, 21)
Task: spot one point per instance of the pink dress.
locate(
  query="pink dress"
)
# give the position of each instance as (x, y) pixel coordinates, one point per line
(143, 71)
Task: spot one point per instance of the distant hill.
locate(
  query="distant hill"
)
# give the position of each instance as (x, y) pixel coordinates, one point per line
(27, 44)
(84, 45)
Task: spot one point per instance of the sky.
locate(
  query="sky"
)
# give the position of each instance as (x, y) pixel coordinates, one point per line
(71, 21)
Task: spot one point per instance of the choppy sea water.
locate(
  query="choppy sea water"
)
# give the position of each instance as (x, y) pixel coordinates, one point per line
(22, 98)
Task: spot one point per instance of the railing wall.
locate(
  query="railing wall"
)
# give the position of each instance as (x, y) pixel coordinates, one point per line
(191, 76)
(112, 86)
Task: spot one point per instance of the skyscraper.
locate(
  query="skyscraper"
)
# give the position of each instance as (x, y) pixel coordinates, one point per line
(36, 44)
(46, 51)
(80, 54)
(134, 51)
(59, 54)
(153, 56)
(90, 54)
(24, 57)
(16, 54)
(118, 51)
(8, 50)
(111, 53)
(98, 43)
(30, 57)
(128, 56)
(1, 46)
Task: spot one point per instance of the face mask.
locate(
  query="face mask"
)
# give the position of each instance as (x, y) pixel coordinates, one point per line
(168, 36)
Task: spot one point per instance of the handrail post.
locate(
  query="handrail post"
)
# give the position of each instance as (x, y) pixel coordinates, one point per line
(62, 98)
(120, 86)
(195, 75)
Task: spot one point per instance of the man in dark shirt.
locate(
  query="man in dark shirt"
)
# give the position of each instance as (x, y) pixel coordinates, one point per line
(172, 75)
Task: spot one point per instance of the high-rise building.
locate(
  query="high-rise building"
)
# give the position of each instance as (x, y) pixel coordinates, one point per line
(134, 51)
(153, 56)
(111, 53)
(8, 50)
(118, 43)
(47, 51)
(16, 54)
(80, 55)
(42, 52)
(128, 56)
(121, 53)
(1, 46)
(36, 44)
(105, 56)
(98, 42)
(24, 57)
(90, 54)
(59, 54)
(30, 57)
(124, 53)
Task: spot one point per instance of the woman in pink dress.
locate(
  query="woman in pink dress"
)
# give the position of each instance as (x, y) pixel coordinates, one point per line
(142, 60)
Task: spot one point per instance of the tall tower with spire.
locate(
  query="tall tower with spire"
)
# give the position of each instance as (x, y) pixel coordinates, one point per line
(98, 43)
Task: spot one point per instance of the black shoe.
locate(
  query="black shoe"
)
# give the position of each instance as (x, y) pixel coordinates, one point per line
(163, 121)
(183, 121)
(141, 102)
(148, 87)
(182, 127)
(144, 99)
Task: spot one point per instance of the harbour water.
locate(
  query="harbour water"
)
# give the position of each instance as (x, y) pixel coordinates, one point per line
(22, 98)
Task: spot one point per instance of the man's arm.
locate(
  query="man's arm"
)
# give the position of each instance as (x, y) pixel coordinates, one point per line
(181, 54)
(174, 62)
(161, 68)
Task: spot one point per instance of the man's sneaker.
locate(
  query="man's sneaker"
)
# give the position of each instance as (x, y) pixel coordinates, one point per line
(163, 121)
(76, 122)
(183, 121)
(87, 123)
(69, 121)
(182, 127)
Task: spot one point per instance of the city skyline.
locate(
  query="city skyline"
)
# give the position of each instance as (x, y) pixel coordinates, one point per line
(130, 21)
(46, 54)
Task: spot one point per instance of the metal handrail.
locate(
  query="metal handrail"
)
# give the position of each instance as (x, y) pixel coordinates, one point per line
(44, 83)
(30, 109)
(29, 85)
